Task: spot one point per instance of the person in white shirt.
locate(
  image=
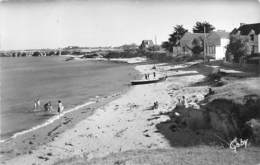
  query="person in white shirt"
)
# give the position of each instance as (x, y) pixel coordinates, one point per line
(60, 107)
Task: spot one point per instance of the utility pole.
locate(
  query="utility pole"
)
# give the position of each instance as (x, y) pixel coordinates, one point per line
(205, 51)
(155, 40)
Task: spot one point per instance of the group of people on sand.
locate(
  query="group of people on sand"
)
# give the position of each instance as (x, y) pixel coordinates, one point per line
(147, 76)
(181, 102)
(47, 106)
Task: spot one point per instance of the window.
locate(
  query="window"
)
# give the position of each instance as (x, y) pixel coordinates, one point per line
(252, 37)
(211, 50)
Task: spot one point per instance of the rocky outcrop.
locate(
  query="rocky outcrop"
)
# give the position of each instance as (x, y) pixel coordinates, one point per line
(192, 118)
(227, 118)
(254, 125)
(223, 117)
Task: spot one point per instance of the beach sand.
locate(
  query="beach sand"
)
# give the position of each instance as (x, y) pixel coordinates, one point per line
(125, 128)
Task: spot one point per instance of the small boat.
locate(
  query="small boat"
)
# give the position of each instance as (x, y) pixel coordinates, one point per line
(139, 82)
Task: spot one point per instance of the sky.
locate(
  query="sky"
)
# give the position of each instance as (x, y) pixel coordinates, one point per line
(33, 24)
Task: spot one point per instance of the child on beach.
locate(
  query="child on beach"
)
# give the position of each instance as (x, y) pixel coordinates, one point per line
(60, 107)
(48, 107)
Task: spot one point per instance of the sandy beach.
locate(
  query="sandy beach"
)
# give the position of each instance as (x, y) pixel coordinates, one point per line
(127, 129)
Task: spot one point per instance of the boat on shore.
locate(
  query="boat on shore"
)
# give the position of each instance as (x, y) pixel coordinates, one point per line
(140, 82)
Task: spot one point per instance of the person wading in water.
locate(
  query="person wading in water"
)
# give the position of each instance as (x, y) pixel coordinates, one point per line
(37, 104)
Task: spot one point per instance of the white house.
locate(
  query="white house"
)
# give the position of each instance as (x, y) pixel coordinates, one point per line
(216, 44)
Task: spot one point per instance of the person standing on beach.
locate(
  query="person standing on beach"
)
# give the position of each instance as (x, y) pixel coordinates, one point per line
(60, 107)
(184, 101)
(154, 74)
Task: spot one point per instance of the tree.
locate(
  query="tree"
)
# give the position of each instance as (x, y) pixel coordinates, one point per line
(129, 46)
(36, 53)
(154, 48)
(174, 38)
(238, 47)
(166, 45)
(199, 27)
(197, 46)
(178, 33)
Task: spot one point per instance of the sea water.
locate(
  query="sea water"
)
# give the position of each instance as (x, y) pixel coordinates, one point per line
(73, 82)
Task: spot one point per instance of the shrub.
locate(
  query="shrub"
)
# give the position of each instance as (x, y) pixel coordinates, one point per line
(237, 47)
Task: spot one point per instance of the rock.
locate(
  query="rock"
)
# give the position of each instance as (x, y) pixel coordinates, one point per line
(146, 135)
(68, 144)
(49, 154)
(255, 126)
(223, 115)
(220, 122)
(215, 71)
(44, 158)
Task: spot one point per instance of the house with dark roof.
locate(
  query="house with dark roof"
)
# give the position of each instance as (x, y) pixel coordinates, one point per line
(186, 41)
(252, 33)
(216, 44)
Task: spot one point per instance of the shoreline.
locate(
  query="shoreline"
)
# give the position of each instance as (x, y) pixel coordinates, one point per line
(128, 123)
(46, 123)
(38, 135)
(84, 80)
(26, 141)
(52, 116)
(134, 93)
